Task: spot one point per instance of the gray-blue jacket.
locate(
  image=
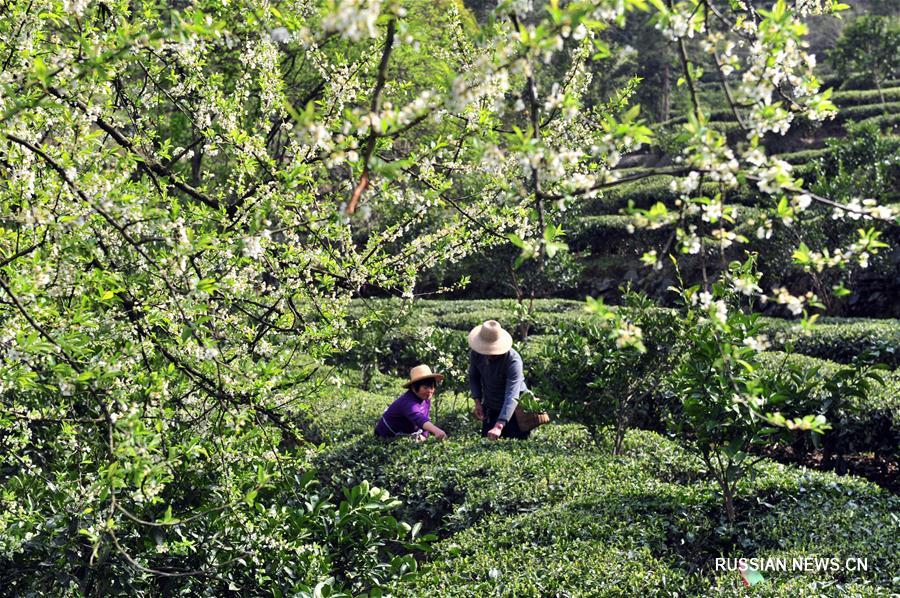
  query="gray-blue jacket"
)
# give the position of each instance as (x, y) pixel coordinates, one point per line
(497, 383)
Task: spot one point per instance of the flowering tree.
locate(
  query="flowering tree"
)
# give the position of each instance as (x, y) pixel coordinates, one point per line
(729, 406)
(194, 192)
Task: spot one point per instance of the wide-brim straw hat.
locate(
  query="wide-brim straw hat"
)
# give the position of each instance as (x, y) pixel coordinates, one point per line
(422, 372)
(490, 339)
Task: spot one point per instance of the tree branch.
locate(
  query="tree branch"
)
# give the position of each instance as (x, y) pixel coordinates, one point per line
(148, 163)
(374, 108)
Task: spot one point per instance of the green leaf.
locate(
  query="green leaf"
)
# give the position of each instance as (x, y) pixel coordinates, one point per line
(840, 290)
(167, 517)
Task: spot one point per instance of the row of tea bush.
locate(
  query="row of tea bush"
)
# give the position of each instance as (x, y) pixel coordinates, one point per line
(555, 516)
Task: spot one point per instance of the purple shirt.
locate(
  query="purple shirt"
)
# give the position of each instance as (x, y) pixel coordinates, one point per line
(406, 415)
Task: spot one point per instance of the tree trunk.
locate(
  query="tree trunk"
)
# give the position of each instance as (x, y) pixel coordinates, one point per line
(729, 503)
(366, 374)
(522, 329)
(664, 109)
(721, 476)
(196, 165)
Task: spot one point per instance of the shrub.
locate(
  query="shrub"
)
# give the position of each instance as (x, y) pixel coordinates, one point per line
(728, 128)
(377, 324)
(538, 322)
(727, 406)
(553, 515)
(490, 272)
(840, 340)
(615, 234)
(446, 351)
(716, 116)
(311, 541)
(854, 83)
(438, 337)
(803, 156)
(865, 96)
(862, 403)
(437, 307)
(863, 165)
(889, 123)
(608, 372)
(643, 192)
(868, 46)
(860, 112)
(620, 235)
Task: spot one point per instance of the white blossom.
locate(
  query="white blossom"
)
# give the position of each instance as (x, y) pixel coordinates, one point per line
(746, 285)
(758, 343)
(354, 19)
(627, 335)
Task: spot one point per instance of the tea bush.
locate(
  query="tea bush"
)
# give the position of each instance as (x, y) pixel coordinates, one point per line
(609, 371)
(567, 354)
(311, 537)
(615, 234)
(847, 98)
(445, 307)
(645, 192)
(863, 111)
(803, 156)
(555, 516)
(561, 365)
(839, 339)
(715, 115)
(434, 332)
(538, 322)
(864, 164)
(843, 83)
(729, 407)
(885, 122)
(861, 422)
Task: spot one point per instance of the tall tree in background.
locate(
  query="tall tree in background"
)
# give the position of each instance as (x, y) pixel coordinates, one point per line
(870, 46)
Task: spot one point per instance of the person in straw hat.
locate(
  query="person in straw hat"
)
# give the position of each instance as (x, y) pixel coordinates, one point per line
(409, 414)
(496, 380)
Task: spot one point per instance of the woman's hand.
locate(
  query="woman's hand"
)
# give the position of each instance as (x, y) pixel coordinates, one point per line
(434, 431)
(494, 433)
(479, 412)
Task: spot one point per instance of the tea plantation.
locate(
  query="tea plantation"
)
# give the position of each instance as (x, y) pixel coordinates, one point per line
(241, 241)
(559, 515)
(562, 515)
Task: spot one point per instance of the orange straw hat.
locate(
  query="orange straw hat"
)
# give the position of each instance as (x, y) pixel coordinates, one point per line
(422, 372)
(490, 339)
